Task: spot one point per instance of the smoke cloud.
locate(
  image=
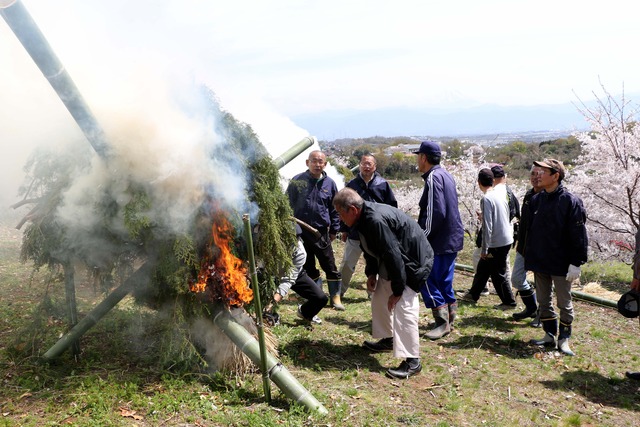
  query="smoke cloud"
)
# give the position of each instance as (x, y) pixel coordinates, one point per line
(137, 71)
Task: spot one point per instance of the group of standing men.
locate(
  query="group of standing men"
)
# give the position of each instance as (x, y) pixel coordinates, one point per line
(551, 242)
(405, 258)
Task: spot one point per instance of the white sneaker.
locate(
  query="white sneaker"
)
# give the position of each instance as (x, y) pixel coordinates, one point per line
(315, 319)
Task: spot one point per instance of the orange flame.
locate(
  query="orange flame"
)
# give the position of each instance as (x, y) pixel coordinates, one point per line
(226, 275)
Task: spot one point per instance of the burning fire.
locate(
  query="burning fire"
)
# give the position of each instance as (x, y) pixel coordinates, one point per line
(223, 274)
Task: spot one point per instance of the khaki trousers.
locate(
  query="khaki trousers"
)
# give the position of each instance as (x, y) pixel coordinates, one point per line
(401, 323)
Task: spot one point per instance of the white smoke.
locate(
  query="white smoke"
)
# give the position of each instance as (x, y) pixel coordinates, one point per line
(139, 83)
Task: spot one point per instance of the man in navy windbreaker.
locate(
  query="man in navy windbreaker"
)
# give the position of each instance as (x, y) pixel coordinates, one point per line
(311, 195)
(372, 188)
(555, 249)
(440, 219)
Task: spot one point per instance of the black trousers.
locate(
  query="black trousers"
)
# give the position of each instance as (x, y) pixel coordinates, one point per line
(494, 266)
(321, 250)
(316, 298)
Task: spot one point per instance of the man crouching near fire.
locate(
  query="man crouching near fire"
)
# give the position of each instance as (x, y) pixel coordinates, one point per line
(398, 261)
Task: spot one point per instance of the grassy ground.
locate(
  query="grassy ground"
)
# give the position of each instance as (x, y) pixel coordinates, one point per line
(483, 374)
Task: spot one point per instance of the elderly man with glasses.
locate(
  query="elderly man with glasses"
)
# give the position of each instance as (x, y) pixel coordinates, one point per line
(310, 195)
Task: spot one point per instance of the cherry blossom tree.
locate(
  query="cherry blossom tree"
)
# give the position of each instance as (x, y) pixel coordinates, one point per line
(607, 175)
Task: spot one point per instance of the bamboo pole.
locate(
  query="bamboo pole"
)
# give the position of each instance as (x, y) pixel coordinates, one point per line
(293, 152)
(576, 294)
(594, 299)
(463, 267)
(278, 373)
(34, 42)
(72, 308)
(266, 385)
(140, 276)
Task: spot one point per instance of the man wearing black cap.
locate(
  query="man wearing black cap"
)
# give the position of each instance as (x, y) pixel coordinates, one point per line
(440, 219)
(635, 284)
(556, 247)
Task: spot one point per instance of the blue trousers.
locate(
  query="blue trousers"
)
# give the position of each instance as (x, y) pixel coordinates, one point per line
(438, 290)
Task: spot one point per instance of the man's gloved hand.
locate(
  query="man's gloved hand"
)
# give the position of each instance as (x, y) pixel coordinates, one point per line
(573, 273)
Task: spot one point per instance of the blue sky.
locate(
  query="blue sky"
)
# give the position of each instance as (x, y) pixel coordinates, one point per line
(270, 60)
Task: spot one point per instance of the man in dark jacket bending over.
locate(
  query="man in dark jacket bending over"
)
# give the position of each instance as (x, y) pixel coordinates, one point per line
(398, 261)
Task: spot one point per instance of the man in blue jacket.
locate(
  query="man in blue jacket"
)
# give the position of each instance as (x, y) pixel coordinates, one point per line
(556, 247)
(372, 188)
(310, 195)
(398, 262)
(440, 219)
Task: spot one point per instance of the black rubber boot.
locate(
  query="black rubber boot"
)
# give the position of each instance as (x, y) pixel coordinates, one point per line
(453, 313)
(334, 293)
(530, 305)
(441, 316)
(563, 339)
(550, 328)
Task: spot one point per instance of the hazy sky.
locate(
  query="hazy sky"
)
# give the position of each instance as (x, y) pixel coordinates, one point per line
(270, 60)
(304, 56)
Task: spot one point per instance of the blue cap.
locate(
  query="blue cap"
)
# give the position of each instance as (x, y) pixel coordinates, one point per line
(428, 147)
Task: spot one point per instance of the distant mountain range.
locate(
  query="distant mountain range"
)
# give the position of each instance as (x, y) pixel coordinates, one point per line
(486, 119)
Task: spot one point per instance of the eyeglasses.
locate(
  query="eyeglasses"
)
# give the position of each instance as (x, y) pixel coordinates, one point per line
(543, 171)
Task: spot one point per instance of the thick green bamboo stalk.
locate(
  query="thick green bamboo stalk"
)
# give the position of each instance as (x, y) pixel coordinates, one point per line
(141, 276)
(575, 294)
(72, 308)
(266, 384)
(463, 267)
(594, 299)
(278, 373)
(293, 152)
(34, 42)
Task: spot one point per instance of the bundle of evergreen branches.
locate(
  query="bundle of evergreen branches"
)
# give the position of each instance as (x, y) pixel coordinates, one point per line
(129, 236)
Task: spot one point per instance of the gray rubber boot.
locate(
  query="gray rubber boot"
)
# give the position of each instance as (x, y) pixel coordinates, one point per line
(441, 316)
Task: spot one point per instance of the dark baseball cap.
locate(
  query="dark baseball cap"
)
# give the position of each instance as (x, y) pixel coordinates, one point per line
(628, 304)
(428, 147)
